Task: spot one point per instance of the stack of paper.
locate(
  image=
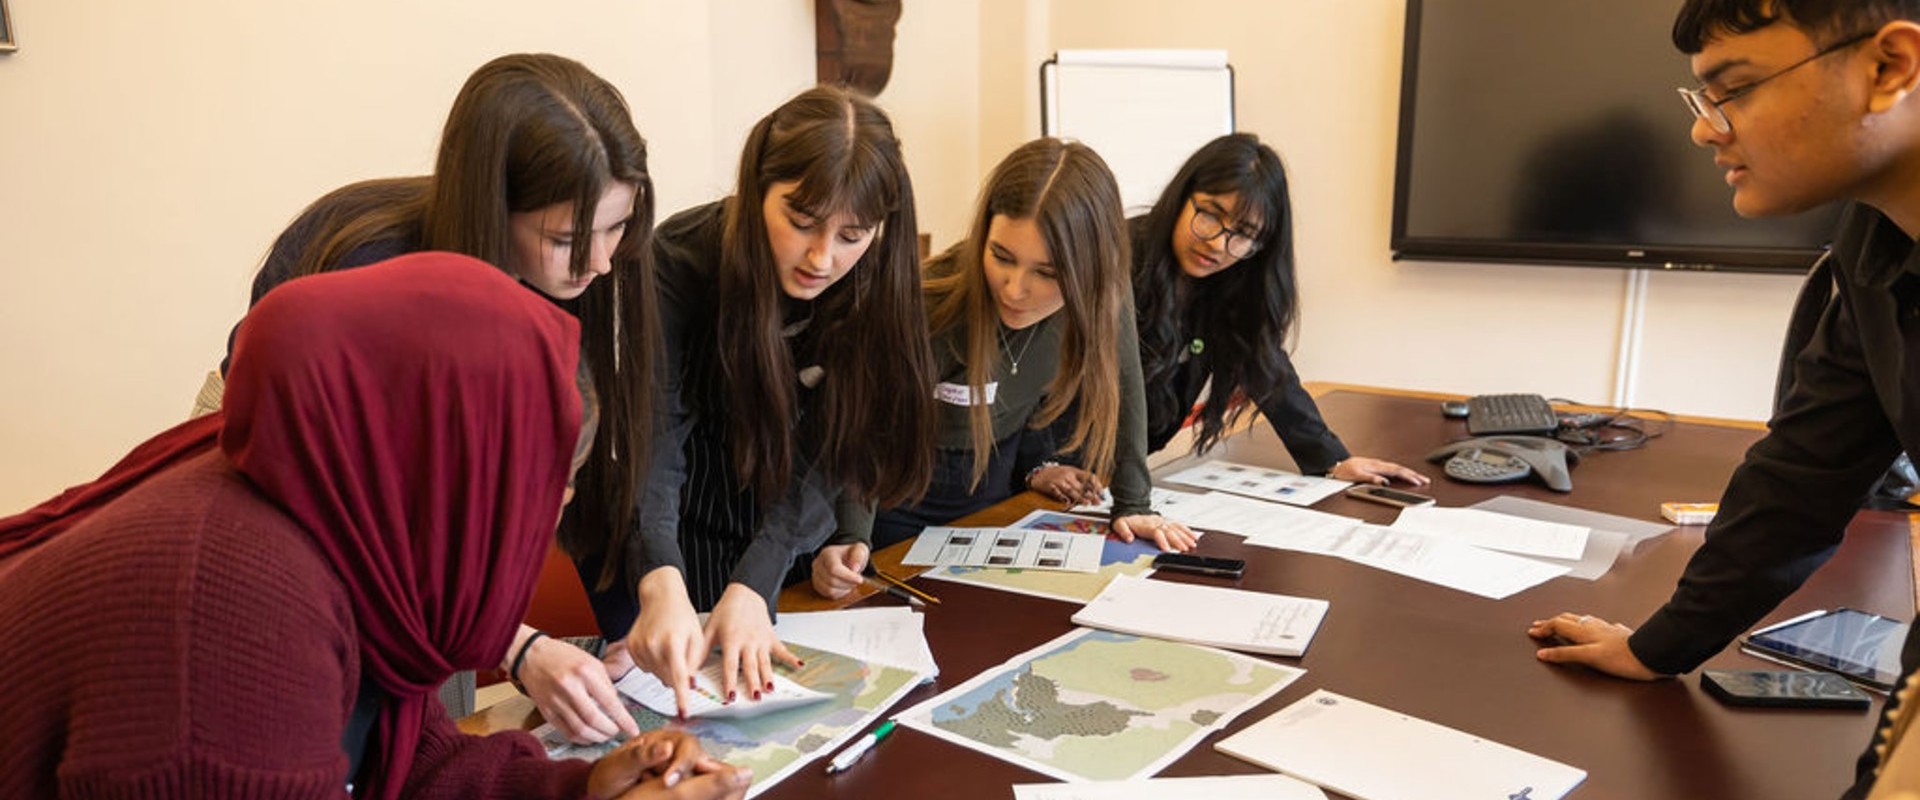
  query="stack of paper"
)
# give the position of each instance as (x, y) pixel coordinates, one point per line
(1376, 754)
(1254, 622)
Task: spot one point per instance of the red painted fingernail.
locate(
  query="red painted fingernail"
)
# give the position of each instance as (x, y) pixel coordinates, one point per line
(730, 696)
(769, 686)
(756, 695)
(692, 684)
(798, 661)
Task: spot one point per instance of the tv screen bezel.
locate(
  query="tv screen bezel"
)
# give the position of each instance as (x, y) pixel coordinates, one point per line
(1707, 258)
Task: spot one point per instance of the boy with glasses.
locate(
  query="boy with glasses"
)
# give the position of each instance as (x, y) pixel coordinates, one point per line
(1802, 102)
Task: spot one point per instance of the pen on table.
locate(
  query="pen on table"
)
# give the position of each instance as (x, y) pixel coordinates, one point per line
(859, 748)
(895, 591)
(903, 585)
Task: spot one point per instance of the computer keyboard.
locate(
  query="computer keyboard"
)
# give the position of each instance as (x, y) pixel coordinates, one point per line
(1495, 414)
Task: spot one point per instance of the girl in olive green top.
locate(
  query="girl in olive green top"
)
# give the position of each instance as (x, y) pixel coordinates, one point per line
(1030, 315)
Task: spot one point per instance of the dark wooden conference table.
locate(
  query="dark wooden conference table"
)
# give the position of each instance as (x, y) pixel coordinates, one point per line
(1447, 656)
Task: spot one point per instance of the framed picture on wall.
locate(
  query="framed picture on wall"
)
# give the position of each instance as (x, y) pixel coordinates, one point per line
(6, 30)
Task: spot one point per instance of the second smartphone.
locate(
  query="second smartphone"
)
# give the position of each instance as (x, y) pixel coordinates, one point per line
(1388, 496)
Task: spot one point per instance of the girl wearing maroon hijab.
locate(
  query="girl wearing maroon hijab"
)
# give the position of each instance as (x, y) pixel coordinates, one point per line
(262, 602)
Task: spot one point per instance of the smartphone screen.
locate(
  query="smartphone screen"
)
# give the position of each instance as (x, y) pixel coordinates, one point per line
(1783, 688)
(1200, 565)
(1388, 496)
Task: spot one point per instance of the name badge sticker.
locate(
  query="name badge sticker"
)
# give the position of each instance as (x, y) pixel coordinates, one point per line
(961, 395)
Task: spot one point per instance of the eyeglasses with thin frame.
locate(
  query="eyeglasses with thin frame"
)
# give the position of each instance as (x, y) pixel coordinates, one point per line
(1207, 226)
(1707, 108)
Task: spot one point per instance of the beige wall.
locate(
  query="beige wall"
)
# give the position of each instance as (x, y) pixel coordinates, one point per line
(149, 153)
(1319, 80)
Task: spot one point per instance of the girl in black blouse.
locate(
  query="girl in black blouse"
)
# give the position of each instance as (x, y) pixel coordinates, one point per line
(796, 382)
(1214, 291)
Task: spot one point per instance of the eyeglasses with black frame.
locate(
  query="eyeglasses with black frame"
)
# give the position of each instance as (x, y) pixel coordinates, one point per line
(1706, 107)
(1207, 226)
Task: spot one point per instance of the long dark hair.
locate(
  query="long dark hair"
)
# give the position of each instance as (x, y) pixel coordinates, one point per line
(1069, 193)
(875, 416)
(529, 131)
(1243, 313)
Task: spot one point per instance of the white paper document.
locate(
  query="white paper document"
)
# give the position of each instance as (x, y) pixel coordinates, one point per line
(1612, 534)
(1166, 502)
(1636, 530)
(1374, 753)
(1495, 531)
(1212, 787)
(1235, 619)
(892, 635)
(707, 701)
(1011, 548)
(1419, 556)
(1279, 486)
(1263, 523)
(1450, 564)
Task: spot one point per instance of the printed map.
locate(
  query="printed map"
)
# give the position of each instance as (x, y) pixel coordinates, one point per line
(1097, 705)
(774, 745)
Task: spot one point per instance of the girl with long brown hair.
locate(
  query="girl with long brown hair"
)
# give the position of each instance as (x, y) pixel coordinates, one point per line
(796, 349)
(1030, 315)
(541, 173)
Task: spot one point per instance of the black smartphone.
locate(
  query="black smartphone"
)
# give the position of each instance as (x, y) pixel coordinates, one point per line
(1783, 689)
(1200, 565)
(1388, 496)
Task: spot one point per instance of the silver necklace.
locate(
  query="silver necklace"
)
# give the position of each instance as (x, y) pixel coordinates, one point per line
(1011, 358)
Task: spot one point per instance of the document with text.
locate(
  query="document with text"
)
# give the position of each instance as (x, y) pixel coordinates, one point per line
(1263, 523)
(1456, 566)
(1496, 531)
(1233, 619)
(1375, 753)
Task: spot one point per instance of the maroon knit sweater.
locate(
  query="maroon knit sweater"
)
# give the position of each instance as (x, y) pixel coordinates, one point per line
(188, 641)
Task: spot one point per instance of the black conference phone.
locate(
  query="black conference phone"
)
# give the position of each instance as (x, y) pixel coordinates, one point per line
(1499, 459)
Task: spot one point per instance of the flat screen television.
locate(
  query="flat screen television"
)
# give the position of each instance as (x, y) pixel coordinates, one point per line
(1549, 132)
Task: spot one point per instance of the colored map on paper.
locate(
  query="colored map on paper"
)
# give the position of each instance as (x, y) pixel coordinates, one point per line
(1097, 705)
(1116, 558)
(773, 745)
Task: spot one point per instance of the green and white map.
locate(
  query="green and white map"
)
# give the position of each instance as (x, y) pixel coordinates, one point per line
(1098, 705)
(775, 744)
